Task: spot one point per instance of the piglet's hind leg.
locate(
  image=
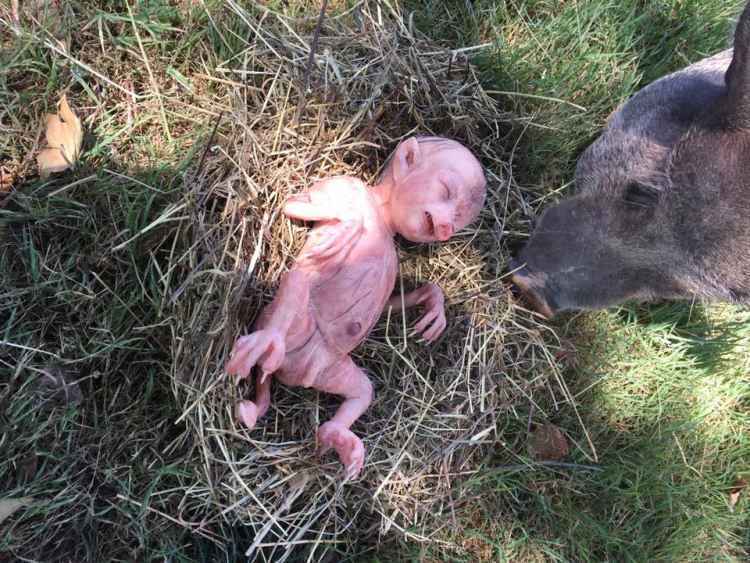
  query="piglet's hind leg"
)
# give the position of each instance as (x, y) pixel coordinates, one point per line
(248, 411)
(346, 379)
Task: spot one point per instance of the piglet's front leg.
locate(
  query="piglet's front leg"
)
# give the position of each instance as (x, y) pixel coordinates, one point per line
(431, 298)
(344, 378)
(266, 347)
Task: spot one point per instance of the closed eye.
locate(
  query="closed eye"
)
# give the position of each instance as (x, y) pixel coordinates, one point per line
(447, 191)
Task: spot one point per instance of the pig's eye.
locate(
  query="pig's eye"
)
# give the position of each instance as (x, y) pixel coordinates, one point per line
(641, 195)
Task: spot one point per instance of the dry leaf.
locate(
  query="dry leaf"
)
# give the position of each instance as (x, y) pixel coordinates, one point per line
(735, 492)
(9, 505)
(6, 179)
(64, 138)
(547, 443)
(567, 355)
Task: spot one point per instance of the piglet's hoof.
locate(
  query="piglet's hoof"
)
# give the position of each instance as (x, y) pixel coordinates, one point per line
(247, 413)
(348, 446)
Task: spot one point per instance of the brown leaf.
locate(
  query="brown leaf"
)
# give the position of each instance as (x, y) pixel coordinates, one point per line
(567, 355)
(9, 505)
(735, 492)
(64, 138)
(7, 181)
(547, 443)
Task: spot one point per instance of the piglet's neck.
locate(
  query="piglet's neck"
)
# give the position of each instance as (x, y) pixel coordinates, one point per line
(381, 193)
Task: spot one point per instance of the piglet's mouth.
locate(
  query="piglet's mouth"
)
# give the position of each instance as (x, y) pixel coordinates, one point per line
(527, 287)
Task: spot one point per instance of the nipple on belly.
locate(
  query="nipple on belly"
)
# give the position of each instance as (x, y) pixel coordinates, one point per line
(353, 329)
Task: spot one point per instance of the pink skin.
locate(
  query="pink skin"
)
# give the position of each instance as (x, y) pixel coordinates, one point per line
(333, 295)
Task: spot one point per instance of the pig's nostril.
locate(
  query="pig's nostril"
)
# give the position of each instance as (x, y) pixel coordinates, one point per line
(516, 291)
(430, 222)
(522, 289)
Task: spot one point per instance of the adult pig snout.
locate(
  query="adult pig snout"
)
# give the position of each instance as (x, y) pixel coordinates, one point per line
(530, 289)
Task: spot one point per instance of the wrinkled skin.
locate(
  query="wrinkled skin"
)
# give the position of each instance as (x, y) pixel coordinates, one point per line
(662, 198)
(345, 275)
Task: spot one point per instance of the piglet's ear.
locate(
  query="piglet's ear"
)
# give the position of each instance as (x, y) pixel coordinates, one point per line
(407, 157)
(736, 110)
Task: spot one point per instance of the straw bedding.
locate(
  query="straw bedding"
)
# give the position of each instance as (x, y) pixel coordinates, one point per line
(438, 412)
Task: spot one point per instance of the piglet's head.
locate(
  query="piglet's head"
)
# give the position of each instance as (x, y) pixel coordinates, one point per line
(436, 188)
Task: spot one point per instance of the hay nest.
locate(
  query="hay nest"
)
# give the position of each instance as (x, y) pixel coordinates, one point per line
(438, 411)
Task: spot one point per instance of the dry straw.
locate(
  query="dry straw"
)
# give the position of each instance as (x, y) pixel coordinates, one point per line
(439, 410)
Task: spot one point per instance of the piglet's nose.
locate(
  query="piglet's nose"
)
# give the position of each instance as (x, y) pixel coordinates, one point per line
(444, 231)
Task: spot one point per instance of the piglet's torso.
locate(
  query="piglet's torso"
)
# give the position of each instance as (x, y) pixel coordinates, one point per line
(348, 290)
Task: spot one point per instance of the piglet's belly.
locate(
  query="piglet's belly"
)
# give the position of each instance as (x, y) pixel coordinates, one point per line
(330, 334)
(326, 338)
(347, 307)
(346, 300)
(306, 366)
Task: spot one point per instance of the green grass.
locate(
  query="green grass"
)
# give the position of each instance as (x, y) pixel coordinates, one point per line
(103, 469)
(664, 391)
(669, 421)
(587, 53)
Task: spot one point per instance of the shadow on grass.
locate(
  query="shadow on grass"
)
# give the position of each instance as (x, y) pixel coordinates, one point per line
(75, 293)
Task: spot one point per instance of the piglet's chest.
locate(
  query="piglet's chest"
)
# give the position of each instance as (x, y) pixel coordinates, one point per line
(346, 303)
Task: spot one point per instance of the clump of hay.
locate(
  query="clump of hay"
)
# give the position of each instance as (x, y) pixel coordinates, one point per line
(438, 409)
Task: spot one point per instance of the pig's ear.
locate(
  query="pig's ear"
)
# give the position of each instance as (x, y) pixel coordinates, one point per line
(641, 195)
(407, 156)
(737, 78)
